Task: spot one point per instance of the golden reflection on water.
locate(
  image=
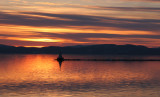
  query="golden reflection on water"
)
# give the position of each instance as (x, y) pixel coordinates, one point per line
(36, 72)
(28, 68)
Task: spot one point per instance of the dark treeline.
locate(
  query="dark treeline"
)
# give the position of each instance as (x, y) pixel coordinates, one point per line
(84, 49)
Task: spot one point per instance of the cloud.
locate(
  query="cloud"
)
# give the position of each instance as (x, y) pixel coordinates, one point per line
(99, 38)
(7, 35)
(84, 36)
(75, 21)
(145, 9)
(143, 0)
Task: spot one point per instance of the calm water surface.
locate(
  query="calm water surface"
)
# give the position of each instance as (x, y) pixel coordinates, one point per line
(39, 75)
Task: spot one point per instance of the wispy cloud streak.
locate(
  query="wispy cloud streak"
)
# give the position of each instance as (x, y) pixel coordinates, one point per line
(144, 9)
(74, 20)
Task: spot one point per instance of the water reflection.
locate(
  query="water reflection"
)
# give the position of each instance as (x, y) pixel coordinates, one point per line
(41, 75)
(60, 64)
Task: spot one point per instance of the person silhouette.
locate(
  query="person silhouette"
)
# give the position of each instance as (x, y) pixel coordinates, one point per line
(60, 58)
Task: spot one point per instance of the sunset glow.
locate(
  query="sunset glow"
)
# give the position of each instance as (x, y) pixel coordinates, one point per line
(38, 23)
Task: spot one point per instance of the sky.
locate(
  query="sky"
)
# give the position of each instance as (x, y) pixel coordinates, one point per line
(38, 23)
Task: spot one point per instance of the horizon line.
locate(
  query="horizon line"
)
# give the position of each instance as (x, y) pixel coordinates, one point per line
(77, 45)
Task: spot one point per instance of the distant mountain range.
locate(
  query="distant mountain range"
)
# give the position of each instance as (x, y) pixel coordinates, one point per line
(110, 49)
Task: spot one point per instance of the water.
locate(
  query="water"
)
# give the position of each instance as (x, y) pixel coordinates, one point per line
(39, 75)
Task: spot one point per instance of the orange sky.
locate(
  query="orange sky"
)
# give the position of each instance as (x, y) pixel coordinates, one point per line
(71, 22)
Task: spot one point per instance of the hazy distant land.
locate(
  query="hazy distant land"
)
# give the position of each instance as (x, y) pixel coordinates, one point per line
(110, 49)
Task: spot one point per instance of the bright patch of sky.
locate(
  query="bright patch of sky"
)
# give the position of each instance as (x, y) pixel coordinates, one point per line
(115, 3)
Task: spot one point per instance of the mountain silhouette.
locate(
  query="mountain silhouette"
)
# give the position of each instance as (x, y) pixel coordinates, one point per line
(110, 49)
